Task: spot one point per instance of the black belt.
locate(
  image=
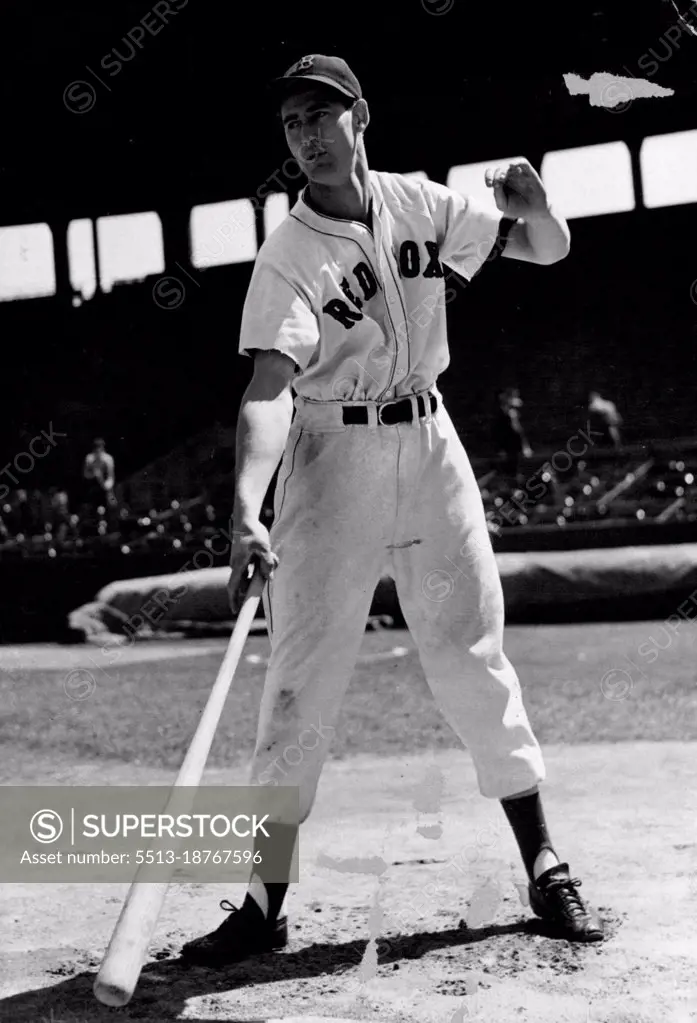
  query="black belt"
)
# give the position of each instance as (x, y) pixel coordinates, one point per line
(390, 412)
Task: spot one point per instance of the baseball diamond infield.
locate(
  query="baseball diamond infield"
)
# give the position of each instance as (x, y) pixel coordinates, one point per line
(438, 934)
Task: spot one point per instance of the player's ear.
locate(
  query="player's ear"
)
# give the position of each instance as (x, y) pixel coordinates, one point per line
(361, 115)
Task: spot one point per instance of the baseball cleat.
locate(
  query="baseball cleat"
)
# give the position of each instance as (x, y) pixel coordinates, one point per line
(554, 897)
(246, 932)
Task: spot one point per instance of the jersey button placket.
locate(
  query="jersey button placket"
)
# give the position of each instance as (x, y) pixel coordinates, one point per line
(399, 313)
(392, 304)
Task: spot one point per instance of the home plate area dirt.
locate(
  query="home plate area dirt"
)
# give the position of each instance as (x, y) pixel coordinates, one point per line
(405, 914)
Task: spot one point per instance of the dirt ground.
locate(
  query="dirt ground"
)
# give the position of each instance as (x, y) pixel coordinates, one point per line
(454, 941)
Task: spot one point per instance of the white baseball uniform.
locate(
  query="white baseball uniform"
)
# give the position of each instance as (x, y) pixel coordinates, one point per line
(362, 312)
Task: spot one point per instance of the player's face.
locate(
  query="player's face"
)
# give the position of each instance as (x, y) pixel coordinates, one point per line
(320, 135)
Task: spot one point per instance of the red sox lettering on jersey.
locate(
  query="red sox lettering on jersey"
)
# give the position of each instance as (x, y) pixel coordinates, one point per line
(361, 309)
(409, 265)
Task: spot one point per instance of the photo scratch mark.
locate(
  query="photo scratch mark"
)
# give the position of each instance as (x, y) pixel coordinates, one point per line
(612, 91)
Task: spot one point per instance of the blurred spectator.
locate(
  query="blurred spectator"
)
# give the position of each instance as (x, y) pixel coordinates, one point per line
(98, 473)
(21, 520)
(605, 420)
(509, 435)
(60, 515)
(40, 505)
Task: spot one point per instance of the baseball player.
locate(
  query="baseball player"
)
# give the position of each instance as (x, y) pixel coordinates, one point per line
(98, 472)
(604, 415)
(509, 433)
(345, 318)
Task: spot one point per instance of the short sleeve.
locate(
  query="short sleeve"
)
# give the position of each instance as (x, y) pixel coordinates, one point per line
(468, 233)
(276, 317)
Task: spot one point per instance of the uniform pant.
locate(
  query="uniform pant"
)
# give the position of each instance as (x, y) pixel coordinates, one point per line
(351, 502)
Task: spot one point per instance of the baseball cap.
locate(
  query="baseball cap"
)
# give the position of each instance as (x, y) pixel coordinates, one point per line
(317, 67)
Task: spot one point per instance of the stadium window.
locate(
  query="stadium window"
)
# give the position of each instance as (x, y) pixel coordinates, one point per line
(83, 274)
(669, 169)
(590, 180)
(130, 248)
(468, 179)
(276, 210)
(27, 268)
(223, 233)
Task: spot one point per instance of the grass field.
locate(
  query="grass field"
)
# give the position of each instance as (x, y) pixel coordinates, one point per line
(581, 684)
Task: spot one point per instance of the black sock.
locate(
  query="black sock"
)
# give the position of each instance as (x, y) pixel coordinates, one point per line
(284, 838)
(276, 893)
(526, 817)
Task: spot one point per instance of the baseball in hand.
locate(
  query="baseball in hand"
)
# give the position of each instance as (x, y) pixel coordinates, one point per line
(518, 190)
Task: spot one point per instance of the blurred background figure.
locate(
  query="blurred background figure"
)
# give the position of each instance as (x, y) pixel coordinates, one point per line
(61, 525)
(99, 476)
(40, 505)
(509, 435)
(22, 520)
(605, 420)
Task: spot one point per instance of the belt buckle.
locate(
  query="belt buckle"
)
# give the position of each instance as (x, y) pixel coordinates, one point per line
(384, 405)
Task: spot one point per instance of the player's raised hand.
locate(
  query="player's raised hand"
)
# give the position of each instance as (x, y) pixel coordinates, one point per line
(251, 548)
(518, 190)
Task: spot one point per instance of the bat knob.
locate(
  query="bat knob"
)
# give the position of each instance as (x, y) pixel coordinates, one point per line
(110, 994)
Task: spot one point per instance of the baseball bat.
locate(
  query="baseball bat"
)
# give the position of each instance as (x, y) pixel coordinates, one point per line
(124, 957)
